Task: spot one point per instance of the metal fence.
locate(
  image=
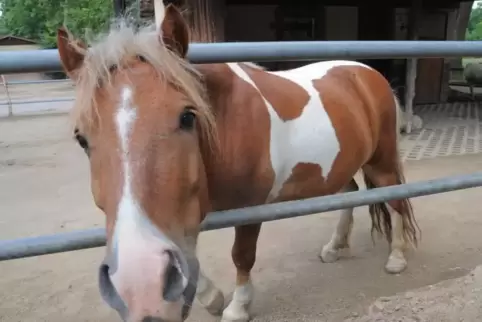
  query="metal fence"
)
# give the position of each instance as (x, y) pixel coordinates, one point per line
(29, 61)
(47, 60)
(20, 97)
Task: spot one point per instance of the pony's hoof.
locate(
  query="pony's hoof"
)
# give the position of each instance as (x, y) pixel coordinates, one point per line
(329, 255)
(212, 301)
(395, 264)
(236, 312)
(237, 315)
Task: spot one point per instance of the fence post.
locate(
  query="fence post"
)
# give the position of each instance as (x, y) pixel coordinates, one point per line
(411, 66)
(9, 100)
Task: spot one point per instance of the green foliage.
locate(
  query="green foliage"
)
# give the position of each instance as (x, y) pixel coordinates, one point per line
(474, 26)
(3, 29)
(40, 19)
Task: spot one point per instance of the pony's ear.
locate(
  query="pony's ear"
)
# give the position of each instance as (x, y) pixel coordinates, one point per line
(174, 31)
(71, 53)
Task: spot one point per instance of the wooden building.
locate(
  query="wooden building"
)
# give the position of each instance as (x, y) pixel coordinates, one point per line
(417, 81)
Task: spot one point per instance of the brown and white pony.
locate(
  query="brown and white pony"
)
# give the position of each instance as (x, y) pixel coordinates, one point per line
(169, 141)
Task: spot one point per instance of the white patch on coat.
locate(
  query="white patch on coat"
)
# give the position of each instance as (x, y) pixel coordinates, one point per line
(311, 137)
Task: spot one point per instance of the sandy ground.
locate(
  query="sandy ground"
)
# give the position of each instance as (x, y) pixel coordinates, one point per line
(457, 299)
(44, 188)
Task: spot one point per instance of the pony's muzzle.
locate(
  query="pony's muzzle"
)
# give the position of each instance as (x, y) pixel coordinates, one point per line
(146, 282)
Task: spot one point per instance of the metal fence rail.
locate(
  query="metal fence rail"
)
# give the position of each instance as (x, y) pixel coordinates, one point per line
(48, 60)
(18, 100)
(50, 100)
(83, 239)
(39, 81)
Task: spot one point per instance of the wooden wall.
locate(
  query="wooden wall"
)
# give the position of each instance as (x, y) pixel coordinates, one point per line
(270, 22)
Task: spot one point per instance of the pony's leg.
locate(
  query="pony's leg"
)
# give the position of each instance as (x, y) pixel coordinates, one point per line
(400, 214)
(340, 238)
(396, 262)
(210, 297)
(244, 256)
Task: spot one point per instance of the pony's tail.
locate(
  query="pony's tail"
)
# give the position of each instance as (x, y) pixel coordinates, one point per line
(380, 214)
(411, 230)
(400, 117)
(382, 220)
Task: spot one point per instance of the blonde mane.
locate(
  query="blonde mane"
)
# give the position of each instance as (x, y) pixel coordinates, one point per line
(125, 40)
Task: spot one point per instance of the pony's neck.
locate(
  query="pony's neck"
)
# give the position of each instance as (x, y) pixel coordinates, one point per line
(229, 173)
(218, 84)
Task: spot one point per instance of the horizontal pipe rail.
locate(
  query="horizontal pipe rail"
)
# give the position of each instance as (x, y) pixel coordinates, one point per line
(83, 239)
(50, 100)
(36, 82)
(30, 61)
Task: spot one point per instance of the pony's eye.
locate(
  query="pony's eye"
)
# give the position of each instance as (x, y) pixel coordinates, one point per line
(142, 58)
(186, 121)
(112, 68)
(84, 144)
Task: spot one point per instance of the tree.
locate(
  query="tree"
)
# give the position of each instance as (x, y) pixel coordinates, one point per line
(3, 29)
(474, 26)
(39, 19)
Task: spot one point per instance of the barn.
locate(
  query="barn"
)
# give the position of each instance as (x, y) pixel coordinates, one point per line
(417, 81)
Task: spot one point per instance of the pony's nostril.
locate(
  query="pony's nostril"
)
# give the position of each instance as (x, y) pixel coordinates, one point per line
(105, 284)
(174, 280)
(108, 291)
(151, 319)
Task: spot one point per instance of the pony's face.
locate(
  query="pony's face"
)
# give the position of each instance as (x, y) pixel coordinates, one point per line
(142, 137)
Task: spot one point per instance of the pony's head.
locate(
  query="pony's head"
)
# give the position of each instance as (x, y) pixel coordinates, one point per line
(142, 117)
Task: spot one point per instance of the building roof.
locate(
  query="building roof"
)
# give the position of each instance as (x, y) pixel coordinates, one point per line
(11, 39)
(375, 3)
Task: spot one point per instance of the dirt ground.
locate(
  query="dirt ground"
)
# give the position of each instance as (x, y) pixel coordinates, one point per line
(44, 188)
(456, 299)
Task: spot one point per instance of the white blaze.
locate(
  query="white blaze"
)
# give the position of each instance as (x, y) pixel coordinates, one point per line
(128, 212)
(132, 228)
(131, 221)
(141, 248)
(125, 119)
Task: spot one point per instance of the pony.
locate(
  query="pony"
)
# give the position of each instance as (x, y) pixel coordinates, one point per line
(169, 141)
